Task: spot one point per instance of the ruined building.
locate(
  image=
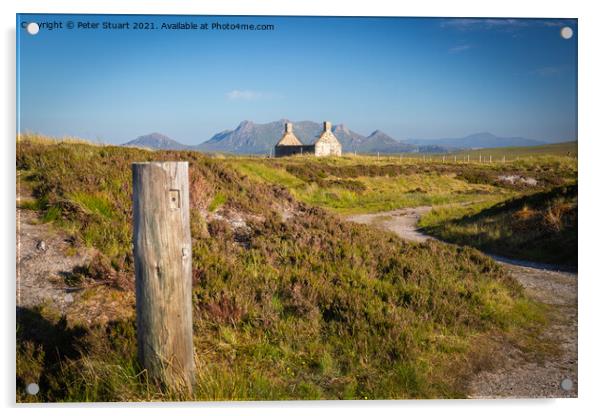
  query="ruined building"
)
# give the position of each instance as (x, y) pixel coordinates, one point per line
(326, 145)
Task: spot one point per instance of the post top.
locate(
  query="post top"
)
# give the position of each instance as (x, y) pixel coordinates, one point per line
(161, 162)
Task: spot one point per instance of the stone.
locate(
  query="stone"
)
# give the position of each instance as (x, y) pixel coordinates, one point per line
(327, 144)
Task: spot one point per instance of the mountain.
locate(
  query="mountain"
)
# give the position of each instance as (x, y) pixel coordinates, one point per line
(254, 138)
(156, 141)
(380, 142)
(249, 138)
(477, 140)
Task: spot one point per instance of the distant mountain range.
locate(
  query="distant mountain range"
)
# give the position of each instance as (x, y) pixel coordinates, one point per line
(477, 140)
(254, 138)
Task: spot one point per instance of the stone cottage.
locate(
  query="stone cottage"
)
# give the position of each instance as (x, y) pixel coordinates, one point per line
(326, 145)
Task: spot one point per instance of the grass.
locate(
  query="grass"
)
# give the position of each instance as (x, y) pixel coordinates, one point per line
(566, 149)
(357, 184)
(538, 227)
(311, 307)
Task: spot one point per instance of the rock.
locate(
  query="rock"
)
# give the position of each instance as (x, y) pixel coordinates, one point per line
(41, 245)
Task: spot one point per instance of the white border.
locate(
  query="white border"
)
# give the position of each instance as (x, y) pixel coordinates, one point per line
(590, 153)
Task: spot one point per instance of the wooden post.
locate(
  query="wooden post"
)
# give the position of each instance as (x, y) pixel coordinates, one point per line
(163, 265)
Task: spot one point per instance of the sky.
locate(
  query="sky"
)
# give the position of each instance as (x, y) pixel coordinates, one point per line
(413, 78)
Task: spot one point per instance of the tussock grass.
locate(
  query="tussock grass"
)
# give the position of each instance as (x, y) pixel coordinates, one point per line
(539, 227)
(46, 140)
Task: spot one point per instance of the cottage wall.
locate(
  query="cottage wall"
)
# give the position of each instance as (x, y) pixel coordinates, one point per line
(282, 151)
(327, 144)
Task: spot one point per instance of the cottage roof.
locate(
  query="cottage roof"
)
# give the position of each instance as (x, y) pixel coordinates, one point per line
(289, 138)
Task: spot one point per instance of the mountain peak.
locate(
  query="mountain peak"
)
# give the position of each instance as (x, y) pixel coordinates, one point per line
(245, 124)
(377, 133)
(483, 134)
(156, 141)
(154, 136)
(341, 128)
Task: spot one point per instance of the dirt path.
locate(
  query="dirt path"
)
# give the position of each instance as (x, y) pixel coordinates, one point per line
(43, 263)
(519, 376)
(44, 258)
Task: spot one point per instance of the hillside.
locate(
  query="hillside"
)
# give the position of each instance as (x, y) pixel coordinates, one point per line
(569, 149)
(540, 227)
(290, 301)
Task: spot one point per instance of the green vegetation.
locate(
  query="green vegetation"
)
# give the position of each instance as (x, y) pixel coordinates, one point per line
(566, 149)
(539, 227)
(296, 306)
(356, 184)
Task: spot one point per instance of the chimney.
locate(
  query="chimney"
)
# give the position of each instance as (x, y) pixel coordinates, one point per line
(288, 127)
(327, 126)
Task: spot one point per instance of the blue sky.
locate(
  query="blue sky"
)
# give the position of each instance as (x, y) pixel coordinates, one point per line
(410, 77)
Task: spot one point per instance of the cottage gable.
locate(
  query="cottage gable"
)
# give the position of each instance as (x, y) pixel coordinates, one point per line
(327, 144)
(289, 138)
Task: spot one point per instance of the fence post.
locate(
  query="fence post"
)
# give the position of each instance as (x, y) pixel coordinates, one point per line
(163, 266)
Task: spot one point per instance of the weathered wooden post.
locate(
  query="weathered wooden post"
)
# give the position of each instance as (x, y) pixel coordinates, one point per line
(163, 265)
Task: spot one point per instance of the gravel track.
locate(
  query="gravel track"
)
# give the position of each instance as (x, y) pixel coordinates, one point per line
(519, 376)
